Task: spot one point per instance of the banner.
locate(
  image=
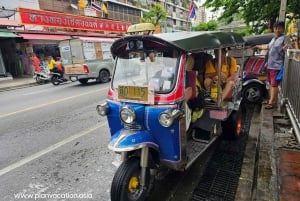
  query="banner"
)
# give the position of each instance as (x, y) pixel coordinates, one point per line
(60, 20)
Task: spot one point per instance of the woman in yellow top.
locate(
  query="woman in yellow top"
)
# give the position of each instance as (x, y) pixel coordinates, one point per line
(51, 63)
(228, 74)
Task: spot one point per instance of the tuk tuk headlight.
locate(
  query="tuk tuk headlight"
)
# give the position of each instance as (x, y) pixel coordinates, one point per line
(127, 115)
(102, 109)
(167, 118)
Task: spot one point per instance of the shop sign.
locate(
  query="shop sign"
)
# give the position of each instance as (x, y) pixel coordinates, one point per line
(59, 20)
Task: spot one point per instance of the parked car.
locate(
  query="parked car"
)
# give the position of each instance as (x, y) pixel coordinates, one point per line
(87, 58)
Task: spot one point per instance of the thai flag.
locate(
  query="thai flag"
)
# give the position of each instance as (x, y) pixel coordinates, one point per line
(95, 6)
(192, 11)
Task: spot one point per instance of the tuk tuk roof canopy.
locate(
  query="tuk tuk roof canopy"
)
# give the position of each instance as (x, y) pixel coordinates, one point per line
(140, 27)
(188, 41)
(258, 39)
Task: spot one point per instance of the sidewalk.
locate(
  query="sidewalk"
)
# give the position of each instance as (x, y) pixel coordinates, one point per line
(9, 83)
(271, 165)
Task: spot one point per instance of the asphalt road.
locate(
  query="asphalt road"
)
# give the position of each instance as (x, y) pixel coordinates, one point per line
(53, 144)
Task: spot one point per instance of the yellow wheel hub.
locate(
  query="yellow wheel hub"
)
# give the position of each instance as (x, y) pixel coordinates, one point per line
(133, 184)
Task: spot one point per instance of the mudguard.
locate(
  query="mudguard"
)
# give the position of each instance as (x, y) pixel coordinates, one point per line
(128, 140)
(249, 81)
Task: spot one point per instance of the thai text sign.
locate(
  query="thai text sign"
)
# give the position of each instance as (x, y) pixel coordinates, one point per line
(54, 19)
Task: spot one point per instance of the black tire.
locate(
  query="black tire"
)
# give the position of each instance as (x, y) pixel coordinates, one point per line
(253, 93)
(125, 185)
(83, 81)
(232, 127)
(104, 76)
(55, 80)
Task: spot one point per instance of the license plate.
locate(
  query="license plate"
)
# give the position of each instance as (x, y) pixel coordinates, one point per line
(73, 78)
(218, 114)
(135, 93)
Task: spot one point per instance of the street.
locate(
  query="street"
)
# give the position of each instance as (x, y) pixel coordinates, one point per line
(53, 144)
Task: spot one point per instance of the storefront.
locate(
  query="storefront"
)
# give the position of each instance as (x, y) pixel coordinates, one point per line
(9, 60)
(56, 27)
(42, 44)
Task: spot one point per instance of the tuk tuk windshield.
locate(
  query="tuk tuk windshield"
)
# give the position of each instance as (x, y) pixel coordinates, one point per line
(154, 69)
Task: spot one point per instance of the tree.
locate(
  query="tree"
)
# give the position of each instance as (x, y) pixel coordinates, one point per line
(209, 26)
(155, 15)
(260, 14)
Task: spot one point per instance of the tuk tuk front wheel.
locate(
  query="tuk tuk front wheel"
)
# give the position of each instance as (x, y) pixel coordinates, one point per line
(126, 182)
(232, 127)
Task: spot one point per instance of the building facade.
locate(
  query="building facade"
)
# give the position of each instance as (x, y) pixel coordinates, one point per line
(38, 25)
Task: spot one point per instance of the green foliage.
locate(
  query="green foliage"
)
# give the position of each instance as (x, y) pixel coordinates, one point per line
(245, 32)
(209, 26)
(212, 25)
(155, 15)
(201, 27)
(257, 13)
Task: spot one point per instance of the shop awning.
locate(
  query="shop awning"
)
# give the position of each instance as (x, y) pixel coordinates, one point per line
(43, 37)
(96, 39)
(5, 34)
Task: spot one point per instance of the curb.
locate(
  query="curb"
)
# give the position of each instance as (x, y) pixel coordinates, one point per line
(9, 88)
(247, 180)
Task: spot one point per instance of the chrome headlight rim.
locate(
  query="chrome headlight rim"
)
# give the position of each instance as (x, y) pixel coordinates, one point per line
(165, 119)
(168, 117)
(127, 115)
(102, 109)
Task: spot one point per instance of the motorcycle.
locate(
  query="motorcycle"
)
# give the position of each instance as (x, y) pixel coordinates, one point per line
(57, 78)
(43, 76)
(151, 124)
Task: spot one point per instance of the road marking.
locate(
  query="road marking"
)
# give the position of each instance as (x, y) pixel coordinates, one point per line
(48, 149)
(50, 103)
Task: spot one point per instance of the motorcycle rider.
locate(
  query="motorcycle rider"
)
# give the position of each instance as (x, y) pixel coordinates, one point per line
(59, 68)
(56, 66)
(51, 63)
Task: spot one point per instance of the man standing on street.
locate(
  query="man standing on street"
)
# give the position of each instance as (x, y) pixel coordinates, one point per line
(276, 52)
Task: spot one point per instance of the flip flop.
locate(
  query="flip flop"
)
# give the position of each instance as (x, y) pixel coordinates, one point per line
(269, 106)
(265, 102)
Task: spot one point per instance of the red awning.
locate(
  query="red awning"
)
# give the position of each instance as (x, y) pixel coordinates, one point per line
(96, 39)
(43, 36)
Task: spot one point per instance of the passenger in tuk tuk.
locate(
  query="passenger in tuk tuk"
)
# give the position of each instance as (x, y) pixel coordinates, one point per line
(192, 89)
(228, 74)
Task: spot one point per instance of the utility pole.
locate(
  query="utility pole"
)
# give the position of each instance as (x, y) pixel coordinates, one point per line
(282, 10)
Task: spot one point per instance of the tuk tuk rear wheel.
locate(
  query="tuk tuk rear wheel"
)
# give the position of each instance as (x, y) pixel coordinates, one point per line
(232, 127)
(253, 93)
(126, 182)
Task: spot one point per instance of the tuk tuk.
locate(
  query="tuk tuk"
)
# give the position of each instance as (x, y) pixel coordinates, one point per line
(255, 69)
(149, 118)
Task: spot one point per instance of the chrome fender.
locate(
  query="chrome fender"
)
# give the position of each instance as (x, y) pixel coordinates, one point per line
(128, 140)
(253, 81)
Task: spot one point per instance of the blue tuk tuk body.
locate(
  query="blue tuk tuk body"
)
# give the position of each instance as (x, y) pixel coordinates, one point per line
(148, 115)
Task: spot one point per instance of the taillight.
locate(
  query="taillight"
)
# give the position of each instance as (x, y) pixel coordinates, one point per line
(86, 68)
